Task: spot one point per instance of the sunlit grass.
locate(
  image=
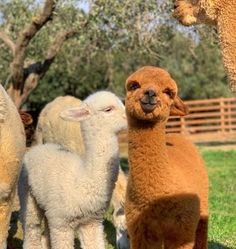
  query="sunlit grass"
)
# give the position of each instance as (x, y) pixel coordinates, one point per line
(221, 168)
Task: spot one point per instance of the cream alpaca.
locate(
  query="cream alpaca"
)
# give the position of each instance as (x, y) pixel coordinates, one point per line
(52, 129)
(166, 202)
(117, 201)
(73, 192)
(221, 13)
(12, 148)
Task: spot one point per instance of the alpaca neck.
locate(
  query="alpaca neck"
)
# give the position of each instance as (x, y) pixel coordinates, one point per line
(148, 157)
(101, 159)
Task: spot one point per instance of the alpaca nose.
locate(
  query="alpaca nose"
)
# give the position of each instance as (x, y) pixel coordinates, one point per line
(149, 101)
(150, 93)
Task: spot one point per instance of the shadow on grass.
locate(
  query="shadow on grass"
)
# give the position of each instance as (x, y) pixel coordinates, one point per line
(77, 243)
(217, 143)
(124, 164)
(216, 245)
(110, 232)
(12, 241)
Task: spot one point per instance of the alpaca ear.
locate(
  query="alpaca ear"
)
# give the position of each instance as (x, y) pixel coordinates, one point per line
(178, 108)
(76, 114)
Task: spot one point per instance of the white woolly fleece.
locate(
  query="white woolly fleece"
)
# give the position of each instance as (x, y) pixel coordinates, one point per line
(73, 191)
(52, 129)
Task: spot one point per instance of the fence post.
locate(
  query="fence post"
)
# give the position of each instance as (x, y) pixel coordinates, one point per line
(229, 115)
(222, 115)
(182, 125)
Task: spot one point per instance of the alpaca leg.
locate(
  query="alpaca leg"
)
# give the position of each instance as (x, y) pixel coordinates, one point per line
(61, 237)
(45, 239)
(31, 219)
(201, 234)
(119, 221)
(91, 235)
(5, 214)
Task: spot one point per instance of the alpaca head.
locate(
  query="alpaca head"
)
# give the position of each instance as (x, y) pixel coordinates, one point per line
(98, 112)
(190, 12)
(152, 95)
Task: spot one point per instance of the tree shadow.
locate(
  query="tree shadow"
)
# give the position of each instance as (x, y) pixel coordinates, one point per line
(217, 245)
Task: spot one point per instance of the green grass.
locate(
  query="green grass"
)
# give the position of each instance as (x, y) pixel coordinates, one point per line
(221, 168)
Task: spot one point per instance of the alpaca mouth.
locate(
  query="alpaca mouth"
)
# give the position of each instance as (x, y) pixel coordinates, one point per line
(149, 101)
(148, 104)
(148, 107)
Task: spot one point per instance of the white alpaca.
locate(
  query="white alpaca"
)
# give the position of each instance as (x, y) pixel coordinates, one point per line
(12, 148)
(73, 193)
(52, 129)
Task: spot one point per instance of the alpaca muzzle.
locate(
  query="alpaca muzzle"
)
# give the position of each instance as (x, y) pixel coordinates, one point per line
(149, 101)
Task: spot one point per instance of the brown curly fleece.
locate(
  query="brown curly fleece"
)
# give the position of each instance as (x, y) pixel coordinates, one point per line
(221, 13)
(167, 195)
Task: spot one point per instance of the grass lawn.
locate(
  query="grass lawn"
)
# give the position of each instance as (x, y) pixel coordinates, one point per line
(221, 166)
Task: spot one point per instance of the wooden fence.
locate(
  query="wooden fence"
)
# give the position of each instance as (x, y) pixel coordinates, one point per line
(209, 120)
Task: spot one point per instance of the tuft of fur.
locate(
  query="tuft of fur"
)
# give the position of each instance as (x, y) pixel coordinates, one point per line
(167, 194)
(217, 12)
(73, 192)
(12, 148)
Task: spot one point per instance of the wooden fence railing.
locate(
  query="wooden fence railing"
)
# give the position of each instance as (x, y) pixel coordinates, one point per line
(209, 120)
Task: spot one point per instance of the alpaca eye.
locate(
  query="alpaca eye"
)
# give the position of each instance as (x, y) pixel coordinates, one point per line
(169, 92)
(133, 86)
(108, 109)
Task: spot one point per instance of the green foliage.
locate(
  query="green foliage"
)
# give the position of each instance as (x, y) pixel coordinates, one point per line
(195, 64)
(119, 37)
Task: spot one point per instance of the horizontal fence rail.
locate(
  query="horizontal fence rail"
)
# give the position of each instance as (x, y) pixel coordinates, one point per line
(208, 120)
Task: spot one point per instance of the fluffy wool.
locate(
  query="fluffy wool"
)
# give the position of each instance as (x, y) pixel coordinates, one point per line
(167, 193)
(74, 192)
(12, 148)
(52, 129)
(221, 13)
(117, 201)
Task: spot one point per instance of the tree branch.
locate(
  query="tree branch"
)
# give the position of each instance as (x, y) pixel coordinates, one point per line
(25, 37)
(8, 41)
(34, 72)
(42, 67)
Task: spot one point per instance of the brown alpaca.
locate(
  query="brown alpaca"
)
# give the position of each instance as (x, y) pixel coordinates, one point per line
(167, 195)
(218, 12)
